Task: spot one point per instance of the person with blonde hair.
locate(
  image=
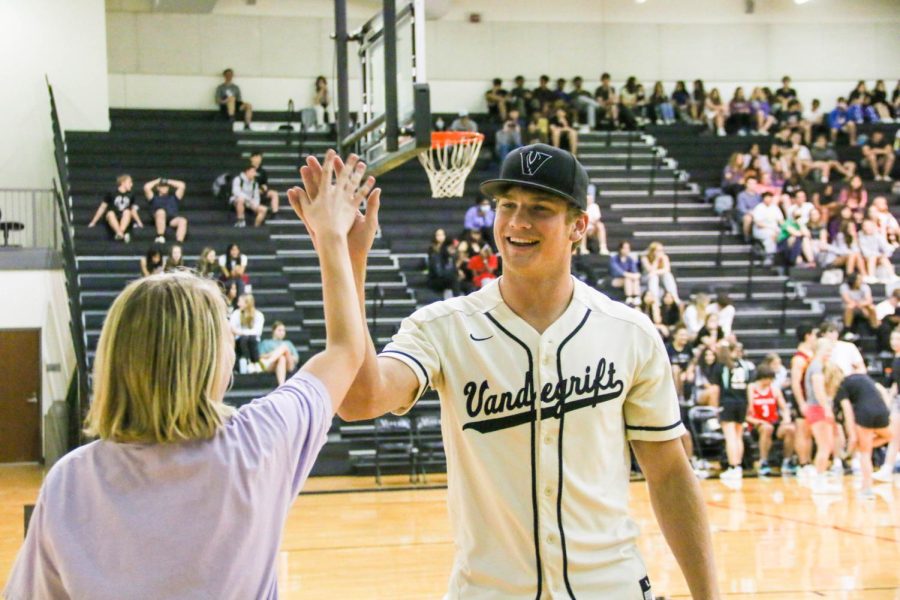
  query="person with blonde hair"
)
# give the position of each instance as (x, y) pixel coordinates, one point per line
(247, 326)
(658, 269)
(182, 496)
(821, 381)
(695, 314)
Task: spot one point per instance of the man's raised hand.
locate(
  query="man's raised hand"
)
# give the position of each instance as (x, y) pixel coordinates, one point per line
(365, 227)
(329, 204)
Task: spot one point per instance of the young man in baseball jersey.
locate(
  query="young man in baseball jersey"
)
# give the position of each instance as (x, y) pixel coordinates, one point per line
(543, 382)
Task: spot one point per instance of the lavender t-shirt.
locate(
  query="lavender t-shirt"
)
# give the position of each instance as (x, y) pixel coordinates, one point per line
(189, 520)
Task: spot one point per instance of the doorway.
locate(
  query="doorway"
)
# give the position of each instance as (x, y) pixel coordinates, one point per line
(20, 395)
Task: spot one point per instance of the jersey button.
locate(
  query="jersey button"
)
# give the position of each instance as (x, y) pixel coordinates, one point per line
(548, 440)
(551, 538)
(548, 491)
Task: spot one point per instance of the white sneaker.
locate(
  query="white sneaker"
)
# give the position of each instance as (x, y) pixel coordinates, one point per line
(883, 475)
(866, 494)
(806, 472)
(242, 366)
(720, 132)
(837, 468)
(732, 473)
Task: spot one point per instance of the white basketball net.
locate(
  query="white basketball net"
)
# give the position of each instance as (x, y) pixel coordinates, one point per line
(449, 165)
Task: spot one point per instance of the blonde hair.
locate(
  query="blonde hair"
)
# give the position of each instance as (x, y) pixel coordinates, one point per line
(248, 313)
(652, 249)
(159, 367)
(833, 378)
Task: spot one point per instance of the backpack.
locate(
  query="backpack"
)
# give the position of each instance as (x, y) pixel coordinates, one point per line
(723, 203)
(221, 186)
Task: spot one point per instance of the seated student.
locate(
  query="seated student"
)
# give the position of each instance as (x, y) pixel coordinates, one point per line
(670, 311)
(680, 351)
(824, 159)
(626, 273)
(879, 154)
(695, 313)
(538, 130)
(681, 98)
(228, 97)
(167, 484)
(856, 297)
(596, 229)
(464, 123)
(561, 128)
(747, 201)
(740, 112)
(584, 102)
(658, 270)
(767, 219)
(175, 259)
(711, 334)
(480, 217)
(664, 111)
(245, 196)
(278, 355)
(888, 314)
(247, 326)
(118, 209)
(606, 97)
(702, 374)
(233, 266)
(724, 308)
(650, 306)
(794, 241)
(484, 266)
(762, 111)
(321, 101)
(886, 221)
(770, 417)
(855, 197)
(164, 207)
(520, 96)
(262, 180)
(208, 264)
(496, 99)
(443, 273)
(716, 112)
(509, 136)
(839, 120)
(152, 262)
(876, 251)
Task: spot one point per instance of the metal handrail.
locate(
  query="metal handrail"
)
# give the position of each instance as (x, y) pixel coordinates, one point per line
(63, 199)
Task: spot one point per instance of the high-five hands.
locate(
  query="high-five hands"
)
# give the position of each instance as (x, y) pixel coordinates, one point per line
(316, 178)
(329, 203)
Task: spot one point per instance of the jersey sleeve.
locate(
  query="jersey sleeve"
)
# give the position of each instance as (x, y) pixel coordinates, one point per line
(413, 347)
(651, 406)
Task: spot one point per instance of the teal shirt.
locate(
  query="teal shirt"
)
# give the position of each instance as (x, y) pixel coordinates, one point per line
(269, 345)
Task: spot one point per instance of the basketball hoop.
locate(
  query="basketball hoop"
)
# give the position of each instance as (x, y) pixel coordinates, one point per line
(450, 160)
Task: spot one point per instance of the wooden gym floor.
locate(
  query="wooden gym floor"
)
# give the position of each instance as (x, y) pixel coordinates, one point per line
(773, 539)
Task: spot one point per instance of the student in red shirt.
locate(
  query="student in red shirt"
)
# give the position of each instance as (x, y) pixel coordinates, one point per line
(769, 414)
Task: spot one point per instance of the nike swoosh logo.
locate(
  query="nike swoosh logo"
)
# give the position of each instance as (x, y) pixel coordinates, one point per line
(480, 339)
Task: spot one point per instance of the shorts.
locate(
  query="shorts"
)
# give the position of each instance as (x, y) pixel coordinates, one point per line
(872, 415)
(171, 211)
(733, 411)
(253, 204)
(816, 413)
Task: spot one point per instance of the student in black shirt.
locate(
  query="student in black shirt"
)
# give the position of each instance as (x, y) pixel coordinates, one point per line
(866, 420)
(164, 207)
(784, 94)
(520, 96)
(886, 473)
(733, 376)
(681, 353)
(262, 180)
(542, 95)
(119, 209)
(496, 101)
(879, 153)
(605, 95)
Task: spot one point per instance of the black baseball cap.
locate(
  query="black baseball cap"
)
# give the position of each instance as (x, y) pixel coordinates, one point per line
(545, 168)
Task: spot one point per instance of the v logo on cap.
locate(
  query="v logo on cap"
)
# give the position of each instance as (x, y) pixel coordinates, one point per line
(532, 161)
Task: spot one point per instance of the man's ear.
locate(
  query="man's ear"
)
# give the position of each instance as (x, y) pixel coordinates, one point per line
(580, 228)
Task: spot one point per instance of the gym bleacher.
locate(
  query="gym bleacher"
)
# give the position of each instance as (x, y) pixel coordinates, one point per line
(650, 187)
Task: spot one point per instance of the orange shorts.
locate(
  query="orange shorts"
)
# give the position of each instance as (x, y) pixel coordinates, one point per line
(816, 413)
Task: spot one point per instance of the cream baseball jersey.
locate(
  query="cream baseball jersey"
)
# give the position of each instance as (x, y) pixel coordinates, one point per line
(536, 429)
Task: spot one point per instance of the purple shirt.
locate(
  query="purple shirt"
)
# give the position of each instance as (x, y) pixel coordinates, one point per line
(188, 520)
(478, 219)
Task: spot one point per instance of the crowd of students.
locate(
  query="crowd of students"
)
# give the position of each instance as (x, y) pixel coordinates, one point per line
(119, 210)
